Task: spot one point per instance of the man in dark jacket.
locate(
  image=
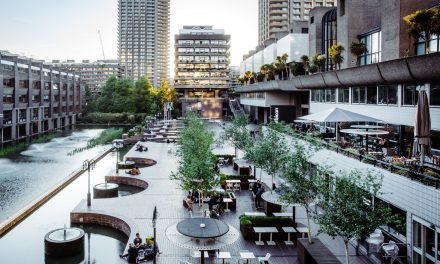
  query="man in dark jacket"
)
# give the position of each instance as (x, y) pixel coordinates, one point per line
(258, 197)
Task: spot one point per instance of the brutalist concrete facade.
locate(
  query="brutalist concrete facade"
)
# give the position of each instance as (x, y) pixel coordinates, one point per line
(37, 98)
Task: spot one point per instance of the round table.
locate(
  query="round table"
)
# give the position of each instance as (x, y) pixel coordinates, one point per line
(202, 227)
(367, 127)
(202, 234)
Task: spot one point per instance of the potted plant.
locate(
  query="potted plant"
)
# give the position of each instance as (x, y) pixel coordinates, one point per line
(421, 25)
(357, 49)
(246, 227)
(318, 60)
(335, 52)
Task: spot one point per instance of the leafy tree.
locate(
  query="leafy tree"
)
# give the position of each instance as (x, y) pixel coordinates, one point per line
(305, 61)
(196, 161)
(116, 96)
(357, 49)
(303, 181)
(335, 52)
(318, 61)
(238, 133)
(143, 96)
(346, 212)
(280, 65)
(297, 68)
(269, 151)
(267, 70)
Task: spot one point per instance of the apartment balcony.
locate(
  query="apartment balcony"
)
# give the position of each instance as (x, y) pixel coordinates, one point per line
(55, 104)
(8, 91)
(201, 86)
(34, 119)
(278, 5)
(23, 91)
(7, 121)
(279, 24)
(23, 105)
(36, 104)
(8, 106)
(21, 120)
(35, 91)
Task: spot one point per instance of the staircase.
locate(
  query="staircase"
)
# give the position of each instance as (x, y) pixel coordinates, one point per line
(235, 107)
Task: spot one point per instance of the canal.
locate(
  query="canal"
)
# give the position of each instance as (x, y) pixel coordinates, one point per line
(26, 176)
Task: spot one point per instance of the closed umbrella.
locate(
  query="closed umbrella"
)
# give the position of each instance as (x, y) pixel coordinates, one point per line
(422, 128)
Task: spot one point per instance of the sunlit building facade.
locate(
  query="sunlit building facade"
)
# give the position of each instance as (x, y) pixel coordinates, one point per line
(201, 69)
(143, 38)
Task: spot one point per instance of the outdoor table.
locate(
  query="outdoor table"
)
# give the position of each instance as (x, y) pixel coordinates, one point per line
(374, 241)
(227, 201)
(242, 166)
(202, 234)
(247, 256)
(303, 230)
(364, 132)
(288, 230)
(233, 181)
(224, 255)
(254, 214)
(261, 230)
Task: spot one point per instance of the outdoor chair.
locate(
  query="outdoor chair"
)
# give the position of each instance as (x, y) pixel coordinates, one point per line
(237, 187)
(229, 187)
(264, 259)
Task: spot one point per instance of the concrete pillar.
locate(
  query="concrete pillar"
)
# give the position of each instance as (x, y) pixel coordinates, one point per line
(265, 116)
(14, 124)
(28, 121)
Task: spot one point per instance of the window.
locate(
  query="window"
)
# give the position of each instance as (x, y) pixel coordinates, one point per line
(410, 96)
(372, 95)
(330, 95)
(341, 7)
(434, 94)
(318, 95)
(433, 45)
(373, 43)
(387, 94)
(343, 95)
(328, 36)
(358, 95)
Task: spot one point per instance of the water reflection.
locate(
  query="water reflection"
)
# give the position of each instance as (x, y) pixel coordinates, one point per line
(101, 245)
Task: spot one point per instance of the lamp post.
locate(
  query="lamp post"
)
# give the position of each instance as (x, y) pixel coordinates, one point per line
(88, 165)
(117, 144)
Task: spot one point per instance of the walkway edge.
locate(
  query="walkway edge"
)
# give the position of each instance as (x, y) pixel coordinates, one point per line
(15, 219)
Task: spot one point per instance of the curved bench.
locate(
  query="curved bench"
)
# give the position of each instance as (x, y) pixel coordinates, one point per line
(142, 161)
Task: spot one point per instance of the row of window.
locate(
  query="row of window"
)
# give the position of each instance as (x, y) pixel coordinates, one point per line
(377, 95)
(201, 42)
(253, 96)
(201, 50)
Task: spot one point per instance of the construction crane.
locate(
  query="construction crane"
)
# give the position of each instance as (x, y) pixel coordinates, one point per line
(102, 46)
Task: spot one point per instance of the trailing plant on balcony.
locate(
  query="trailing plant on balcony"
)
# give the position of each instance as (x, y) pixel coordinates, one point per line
(357, 49)
(335, 52)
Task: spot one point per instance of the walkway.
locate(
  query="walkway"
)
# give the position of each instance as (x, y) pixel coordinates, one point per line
(136, 210)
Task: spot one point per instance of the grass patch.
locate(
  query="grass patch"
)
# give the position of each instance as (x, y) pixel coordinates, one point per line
(44, 138)
(106, 137)
(6, 151)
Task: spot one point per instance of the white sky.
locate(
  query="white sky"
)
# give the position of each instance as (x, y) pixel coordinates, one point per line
(67, 29)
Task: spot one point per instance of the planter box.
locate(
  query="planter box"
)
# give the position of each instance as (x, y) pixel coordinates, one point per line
(315, 253)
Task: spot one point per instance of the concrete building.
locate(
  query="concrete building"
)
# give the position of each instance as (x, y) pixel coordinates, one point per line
(283, 16)
(383, 86)
(37, 97)
(93, 74)
(202, 70)
(143, 38)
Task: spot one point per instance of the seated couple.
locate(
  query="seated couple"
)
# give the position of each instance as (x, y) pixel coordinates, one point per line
(138, 252)
(141, 148)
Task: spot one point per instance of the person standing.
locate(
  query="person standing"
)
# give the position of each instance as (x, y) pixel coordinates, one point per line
(258, 197)
(189, 202)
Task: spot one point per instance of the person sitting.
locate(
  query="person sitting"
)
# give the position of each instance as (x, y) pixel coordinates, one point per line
(132, 254)
(150, 252)
(139, 147)
(137, 240)
(135, 171)
(212, 201)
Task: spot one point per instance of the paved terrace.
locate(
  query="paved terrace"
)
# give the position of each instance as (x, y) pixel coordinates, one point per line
(133, 213)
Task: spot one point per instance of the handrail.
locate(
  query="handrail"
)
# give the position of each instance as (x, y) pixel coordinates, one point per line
(413, 175)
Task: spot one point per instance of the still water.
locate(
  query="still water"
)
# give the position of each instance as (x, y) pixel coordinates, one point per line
(26, 176)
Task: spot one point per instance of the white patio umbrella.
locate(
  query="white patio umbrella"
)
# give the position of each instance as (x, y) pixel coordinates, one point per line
(422, 128)
(337, 115)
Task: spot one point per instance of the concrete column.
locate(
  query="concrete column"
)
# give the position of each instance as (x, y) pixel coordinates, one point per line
(265, 115)
(14, 124)
(28, 121)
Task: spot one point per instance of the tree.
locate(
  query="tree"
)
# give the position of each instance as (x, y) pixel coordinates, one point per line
(357, 49)
(346, 212)
(297, 68)
(303, 181)
(116, 96)
(335, 52)
(247, 76)
(280, 65)
(421, 24)
(196, 161)
(266, 69)
(305, 62)
(238, 133)
(269, 151)
(318, 61)
(143, 96)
